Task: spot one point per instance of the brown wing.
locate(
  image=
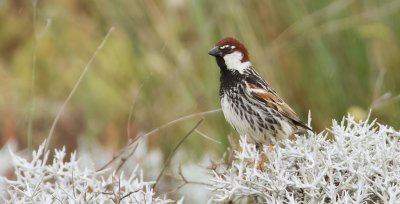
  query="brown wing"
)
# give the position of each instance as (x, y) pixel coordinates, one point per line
(275, 102)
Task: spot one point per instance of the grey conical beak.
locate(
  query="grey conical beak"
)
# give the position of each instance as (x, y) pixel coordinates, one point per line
(215, 52)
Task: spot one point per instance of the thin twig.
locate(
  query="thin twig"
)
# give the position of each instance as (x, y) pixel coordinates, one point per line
(379, 81)
(33, 77)
(383, 100)
(37, 186)
(207, 137)
(166, 125)
(76, 87)
(55, 198)
(113, 159)
(174, 151)
(128, 126)
(185, 180)
(124, 159)
(127, 195)
(177, 121)
(73, 184)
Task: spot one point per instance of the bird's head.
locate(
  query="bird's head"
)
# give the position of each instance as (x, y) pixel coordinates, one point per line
(231, 55)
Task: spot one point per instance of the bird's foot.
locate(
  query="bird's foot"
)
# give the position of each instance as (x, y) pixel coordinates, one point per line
(263, 161)
(264, 158)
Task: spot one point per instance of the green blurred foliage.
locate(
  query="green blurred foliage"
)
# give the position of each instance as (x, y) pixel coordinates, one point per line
(330, 57)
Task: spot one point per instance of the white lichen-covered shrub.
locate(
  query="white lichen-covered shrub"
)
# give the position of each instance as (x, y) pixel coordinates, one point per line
(67, 182)
(353, 162)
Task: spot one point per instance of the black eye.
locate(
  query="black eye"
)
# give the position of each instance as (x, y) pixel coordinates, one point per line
(226, 48)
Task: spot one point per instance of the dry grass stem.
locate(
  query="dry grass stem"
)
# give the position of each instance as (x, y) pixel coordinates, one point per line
(174, 151)
(78, 82)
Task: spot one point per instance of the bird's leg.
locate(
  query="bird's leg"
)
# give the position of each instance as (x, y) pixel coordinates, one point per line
(270, 148)
(259, 147)
(264, 158)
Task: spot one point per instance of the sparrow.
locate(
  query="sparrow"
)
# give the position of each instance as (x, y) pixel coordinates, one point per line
(248, 102)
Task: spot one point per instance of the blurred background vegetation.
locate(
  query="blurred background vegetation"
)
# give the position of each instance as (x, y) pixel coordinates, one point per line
(329, 57)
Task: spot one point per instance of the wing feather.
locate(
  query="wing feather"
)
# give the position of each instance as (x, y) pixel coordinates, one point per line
(270, 99)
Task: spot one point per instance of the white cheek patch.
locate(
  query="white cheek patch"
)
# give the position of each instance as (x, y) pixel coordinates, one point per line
(234, 61)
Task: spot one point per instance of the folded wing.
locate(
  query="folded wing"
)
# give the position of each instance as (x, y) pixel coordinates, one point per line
(270, 99)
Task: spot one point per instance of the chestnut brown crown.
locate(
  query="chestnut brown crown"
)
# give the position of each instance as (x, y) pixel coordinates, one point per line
(229, 45)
